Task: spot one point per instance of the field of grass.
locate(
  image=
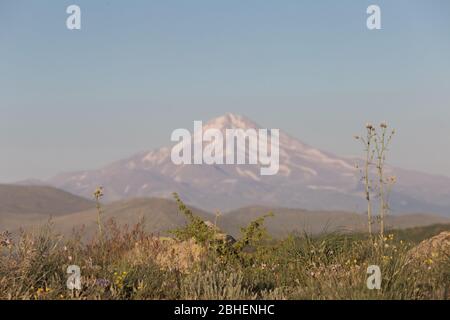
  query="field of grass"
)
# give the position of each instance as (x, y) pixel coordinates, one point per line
(199, 263)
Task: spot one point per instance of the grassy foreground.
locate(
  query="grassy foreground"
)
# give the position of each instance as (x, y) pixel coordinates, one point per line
(199, 263)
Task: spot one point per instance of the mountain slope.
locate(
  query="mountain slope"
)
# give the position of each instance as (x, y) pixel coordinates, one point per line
(160, 216)
(287, 220)
(21, 200)
(308, 178)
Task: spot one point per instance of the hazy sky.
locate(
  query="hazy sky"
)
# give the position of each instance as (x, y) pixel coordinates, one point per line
(138, 70)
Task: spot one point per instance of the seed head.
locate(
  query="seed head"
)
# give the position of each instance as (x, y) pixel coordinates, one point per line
(392, 179)
(98, 193)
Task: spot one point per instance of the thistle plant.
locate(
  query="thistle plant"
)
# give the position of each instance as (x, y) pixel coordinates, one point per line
(382, 141)
(98, 194)
(369, 155)
(376, 145)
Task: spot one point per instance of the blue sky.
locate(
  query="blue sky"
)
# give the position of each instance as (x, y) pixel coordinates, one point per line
(140, 69)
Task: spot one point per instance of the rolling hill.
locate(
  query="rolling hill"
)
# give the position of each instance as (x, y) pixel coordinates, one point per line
(40, 200)
(161, 215)
(287, 220)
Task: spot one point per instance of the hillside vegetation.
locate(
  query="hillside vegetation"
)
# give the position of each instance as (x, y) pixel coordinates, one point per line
(200, 262)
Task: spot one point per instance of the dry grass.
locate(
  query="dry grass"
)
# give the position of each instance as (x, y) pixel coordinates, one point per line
(130, 264)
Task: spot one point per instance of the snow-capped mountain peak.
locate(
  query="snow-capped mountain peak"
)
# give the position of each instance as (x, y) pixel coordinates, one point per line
(308, 178)
(230, 121)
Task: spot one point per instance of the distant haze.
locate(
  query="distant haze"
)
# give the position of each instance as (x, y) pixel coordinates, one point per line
(77, 100)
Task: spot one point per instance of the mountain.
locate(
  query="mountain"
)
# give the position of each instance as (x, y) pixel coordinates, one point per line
(22, 200)
(31, 182)
(308, 178)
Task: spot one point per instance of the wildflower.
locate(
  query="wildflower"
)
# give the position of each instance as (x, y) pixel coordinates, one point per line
(102, 282)
(383, 125)
(40, 291)
(356, 137)
(369, 126)
(98, 193)
(5, 239)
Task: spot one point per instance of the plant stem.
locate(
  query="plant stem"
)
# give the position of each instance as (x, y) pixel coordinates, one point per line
(367, 184)
(99, 222)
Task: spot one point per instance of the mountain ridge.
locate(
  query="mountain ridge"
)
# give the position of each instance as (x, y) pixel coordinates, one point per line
(162, 215)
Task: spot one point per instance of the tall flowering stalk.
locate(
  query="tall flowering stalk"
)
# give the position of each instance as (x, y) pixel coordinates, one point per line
(382, 141)
(376, 145)
(98, 194)
(369, 155)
